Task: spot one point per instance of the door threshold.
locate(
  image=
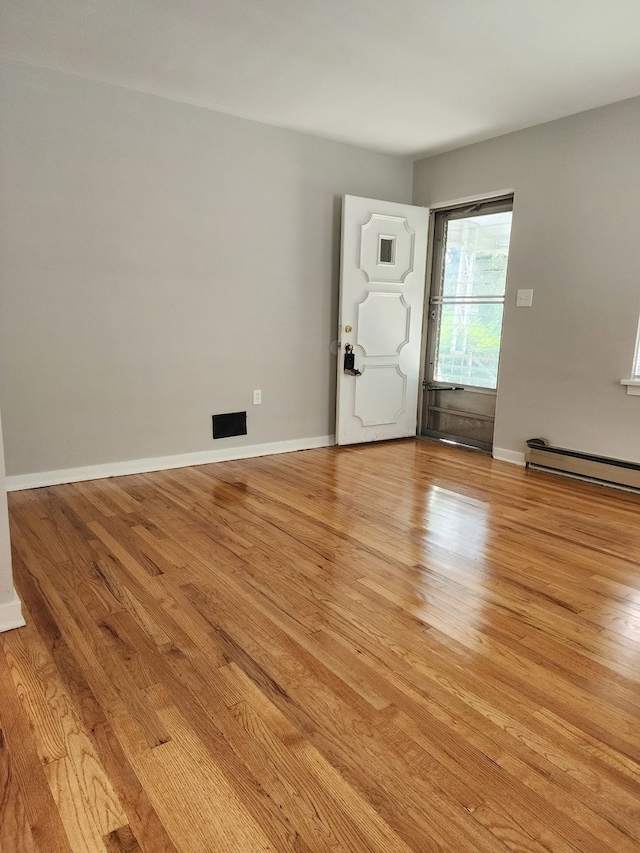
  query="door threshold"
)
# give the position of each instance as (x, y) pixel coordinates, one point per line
(450, 442)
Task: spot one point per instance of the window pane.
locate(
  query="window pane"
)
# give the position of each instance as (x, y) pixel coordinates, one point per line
(476, 253)
(469, 345)
(386, 250)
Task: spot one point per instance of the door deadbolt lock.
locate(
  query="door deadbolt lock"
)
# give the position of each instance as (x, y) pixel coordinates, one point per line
(348, 329)
(350, 361)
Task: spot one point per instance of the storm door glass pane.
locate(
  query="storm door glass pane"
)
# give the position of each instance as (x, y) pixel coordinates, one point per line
(469, 344)
(476, 254)
(474, 277)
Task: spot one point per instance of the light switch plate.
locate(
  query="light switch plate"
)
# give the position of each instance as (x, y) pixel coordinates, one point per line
(524, 298)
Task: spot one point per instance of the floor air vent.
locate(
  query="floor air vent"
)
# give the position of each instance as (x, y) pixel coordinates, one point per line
(540, 454)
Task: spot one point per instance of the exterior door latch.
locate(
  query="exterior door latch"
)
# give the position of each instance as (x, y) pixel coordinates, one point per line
(350, 361)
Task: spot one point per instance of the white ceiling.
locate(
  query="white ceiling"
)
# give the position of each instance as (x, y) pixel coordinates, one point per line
(402, 76)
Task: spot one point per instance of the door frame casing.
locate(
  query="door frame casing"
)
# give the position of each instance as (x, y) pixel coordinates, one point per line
(460, 203)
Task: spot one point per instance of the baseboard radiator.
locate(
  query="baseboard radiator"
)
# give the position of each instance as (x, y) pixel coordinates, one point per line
(540, 454)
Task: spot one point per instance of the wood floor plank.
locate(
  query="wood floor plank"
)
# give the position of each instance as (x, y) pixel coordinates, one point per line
(395, 648)
(15, 832)
(506, 827)
(323, 807)
(88, 776)
(73, 807)
(98, 728)
(34, 680)
(214, 820)
(45, 822)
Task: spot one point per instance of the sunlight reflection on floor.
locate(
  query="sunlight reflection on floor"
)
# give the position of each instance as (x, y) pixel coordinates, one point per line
(457, 522)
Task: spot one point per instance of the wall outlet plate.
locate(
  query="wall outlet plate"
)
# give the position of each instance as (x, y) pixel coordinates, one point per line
(257, 398)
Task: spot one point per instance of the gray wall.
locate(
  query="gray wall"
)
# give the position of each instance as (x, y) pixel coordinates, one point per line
(158, 262)
(575, 241)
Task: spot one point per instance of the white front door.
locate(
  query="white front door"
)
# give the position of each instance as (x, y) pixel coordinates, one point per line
(384, 247)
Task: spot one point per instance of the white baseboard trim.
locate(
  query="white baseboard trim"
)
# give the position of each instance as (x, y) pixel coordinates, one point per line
(17, 482)
(11, 614)
(512, 456)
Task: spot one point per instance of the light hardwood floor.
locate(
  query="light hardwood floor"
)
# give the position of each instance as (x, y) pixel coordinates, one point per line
(392, 648)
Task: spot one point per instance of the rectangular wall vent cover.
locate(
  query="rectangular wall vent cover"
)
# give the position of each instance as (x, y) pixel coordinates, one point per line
(232, 423)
